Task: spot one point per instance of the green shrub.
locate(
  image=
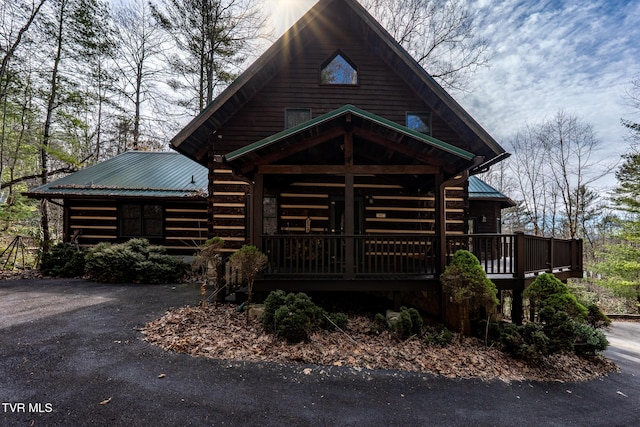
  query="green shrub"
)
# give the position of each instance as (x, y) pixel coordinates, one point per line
(548, 291)
(63, 260)
(335, 320)
(596, 318)
(273, 302)
(527, 342)
(409, 323)
(294, 316)
(135, 261)
(560, 328)
(588, 340)
(297, 317)
(466, 283)
(437, 335)
(380, 324)
(567, 303)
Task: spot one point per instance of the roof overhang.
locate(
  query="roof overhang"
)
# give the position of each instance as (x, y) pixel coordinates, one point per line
(133, 174)
(380, 146)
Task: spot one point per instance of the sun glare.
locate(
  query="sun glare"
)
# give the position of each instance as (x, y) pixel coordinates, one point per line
(284, 13)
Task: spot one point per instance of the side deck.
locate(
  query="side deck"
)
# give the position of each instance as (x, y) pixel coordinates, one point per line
(313, 262)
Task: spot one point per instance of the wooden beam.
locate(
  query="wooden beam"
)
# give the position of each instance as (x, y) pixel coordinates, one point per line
(255, 215)
(398, 147)
(348, 169)
(292, 149)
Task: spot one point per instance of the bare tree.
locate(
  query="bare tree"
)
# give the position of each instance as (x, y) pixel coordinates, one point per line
(439, 34)
(141, 43)
(214, 38)
(571, 148)
(556, 167)
(537, 193)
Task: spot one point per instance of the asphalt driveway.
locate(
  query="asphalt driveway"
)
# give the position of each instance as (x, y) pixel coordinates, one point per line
(71, 354)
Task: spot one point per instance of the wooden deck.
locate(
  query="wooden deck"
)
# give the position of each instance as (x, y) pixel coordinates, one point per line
(314, 262)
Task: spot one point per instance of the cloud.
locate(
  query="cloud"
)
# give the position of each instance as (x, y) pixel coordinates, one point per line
(577, 55)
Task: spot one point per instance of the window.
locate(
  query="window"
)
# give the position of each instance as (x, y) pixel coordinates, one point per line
(138, 220)
(420, 121)
(339, 71)
(295, 116)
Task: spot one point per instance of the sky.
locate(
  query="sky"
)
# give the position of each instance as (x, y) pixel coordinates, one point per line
(575, 56)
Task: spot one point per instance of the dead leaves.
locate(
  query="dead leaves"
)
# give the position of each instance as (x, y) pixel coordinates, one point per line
(220, 332)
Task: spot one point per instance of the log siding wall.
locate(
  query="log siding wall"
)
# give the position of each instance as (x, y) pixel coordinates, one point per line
(386, 208)
(94, 221)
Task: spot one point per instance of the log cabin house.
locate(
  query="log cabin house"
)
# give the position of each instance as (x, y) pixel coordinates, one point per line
(345, 162)
(341, 158)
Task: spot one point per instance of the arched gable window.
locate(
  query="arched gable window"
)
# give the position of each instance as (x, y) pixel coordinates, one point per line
(339, 71)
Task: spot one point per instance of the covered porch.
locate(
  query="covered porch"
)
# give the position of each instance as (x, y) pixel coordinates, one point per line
(350, 201)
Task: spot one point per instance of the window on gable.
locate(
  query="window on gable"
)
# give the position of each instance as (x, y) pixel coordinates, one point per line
(419, 121)
(141, 220)
(295, 116)
(339, 71)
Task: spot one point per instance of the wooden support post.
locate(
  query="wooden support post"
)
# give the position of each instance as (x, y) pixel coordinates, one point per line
(517, 312)
(349, 205)
(440, 224)
(255, 216)
(349, 226)
(519, 253)
(576, 256)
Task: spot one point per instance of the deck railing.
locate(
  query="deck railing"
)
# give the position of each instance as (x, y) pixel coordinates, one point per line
(325, 256)
(308, 256)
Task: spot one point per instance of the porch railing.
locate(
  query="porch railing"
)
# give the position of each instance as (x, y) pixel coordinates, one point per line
(388, 256)
(325, 256)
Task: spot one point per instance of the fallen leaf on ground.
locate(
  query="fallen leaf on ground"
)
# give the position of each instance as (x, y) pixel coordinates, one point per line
(219, 332)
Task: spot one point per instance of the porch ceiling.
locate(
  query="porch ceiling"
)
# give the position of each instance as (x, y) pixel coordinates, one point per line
(379, 146)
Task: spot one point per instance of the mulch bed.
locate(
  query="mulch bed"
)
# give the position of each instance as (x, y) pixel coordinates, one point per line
(220, 332)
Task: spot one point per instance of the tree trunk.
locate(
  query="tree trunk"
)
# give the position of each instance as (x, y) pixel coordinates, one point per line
(46, 138)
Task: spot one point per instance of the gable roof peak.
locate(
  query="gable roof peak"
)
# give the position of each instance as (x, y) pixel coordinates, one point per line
(193, 139)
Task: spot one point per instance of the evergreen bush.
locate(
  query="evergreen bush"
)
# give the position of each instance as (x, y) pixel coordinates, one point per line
(273, 302)
(409, 323)
(380, 324)
(437, 335)
(466, 283)
(596, 318)
(588, 340)
(335, 320)
(293, 316)
(63, 260)
(135, 261)
(548, 291)
(297, 317)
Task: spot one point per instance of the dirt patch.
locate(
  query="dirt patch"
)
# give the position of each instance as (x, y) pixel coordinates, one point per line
(220, 332)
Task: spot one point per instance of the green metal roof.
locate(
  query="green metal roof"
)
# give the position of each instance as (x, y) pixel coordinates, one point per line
(478, 189)
(349, 109)
(132, 174)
